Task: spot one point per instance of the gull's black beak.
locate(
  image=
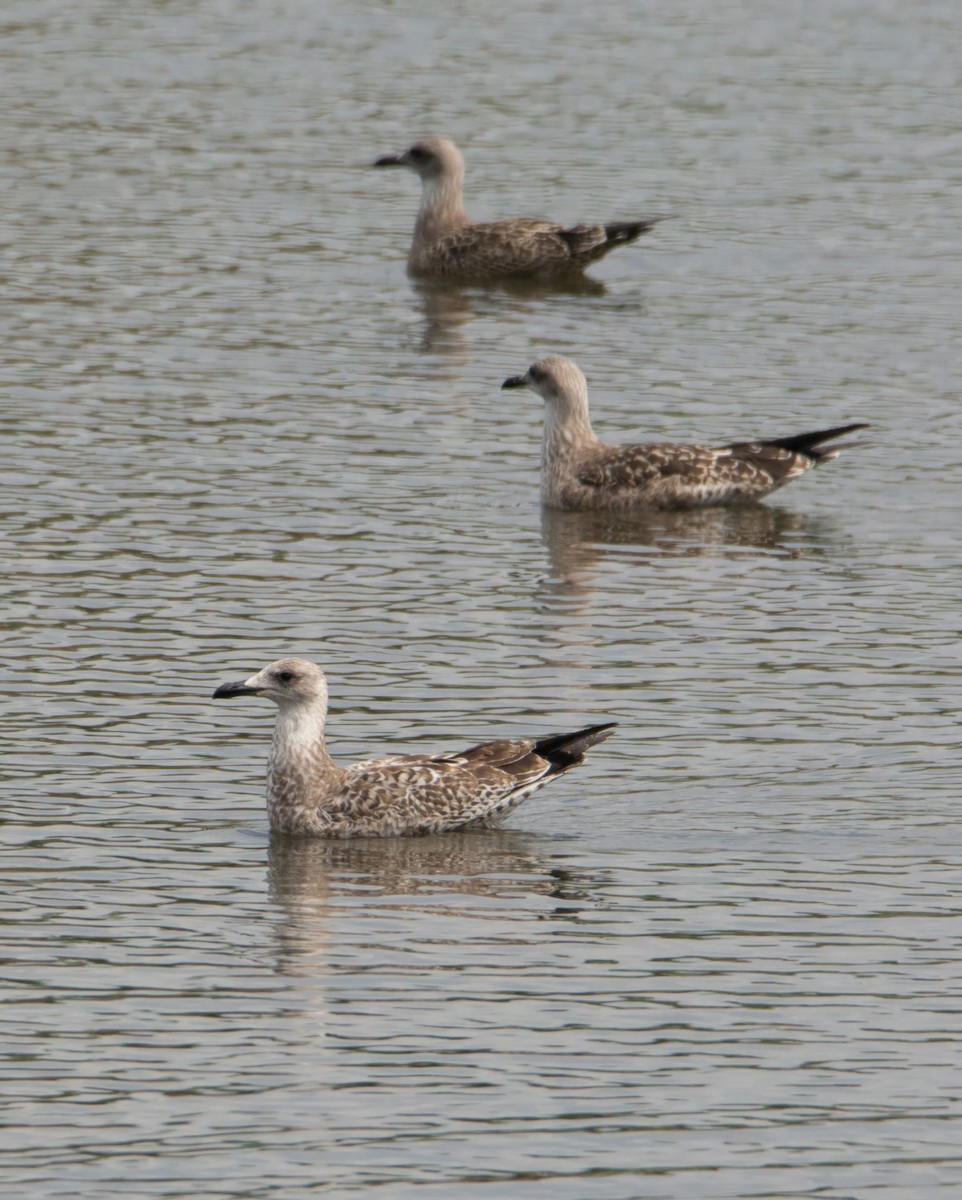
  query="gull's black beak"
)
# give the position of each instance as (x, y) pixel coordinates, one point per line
(390, 160)
(515, 381)
(226, 690)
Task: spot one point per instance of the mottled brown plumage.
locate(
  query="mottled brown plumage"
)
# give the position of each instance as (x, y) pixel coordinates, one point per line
(307, 793)
(580, 472)
(448, 244)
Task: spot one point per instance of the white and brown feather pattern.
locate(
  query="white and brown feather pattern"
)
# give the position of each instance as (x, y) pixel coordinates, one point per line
(514, 249)
(307, 793)
(670, 474)
(580, 472)
(500, 249)
(447, 244)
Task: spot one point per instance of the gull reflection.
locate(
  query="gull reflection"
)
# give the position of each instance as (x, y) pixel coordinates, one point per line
(447, 307)
(313, 882)
(579, 542)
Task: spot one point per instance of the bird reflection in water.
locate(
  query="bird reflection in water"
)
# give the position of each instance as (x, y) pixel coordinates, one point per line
(446, 307)
(579, 542)
(310, 879)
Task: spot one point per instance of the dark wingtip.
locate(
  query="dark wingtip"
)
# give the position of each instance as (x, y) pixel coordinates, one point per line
(806, 443)
(595, 734)
(564, 750)
(618, 232)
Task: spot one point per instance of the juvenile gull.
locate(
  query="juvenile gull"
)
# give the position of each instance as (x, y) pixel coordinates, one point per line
(448, 244)
(307, 793)
(580, 472)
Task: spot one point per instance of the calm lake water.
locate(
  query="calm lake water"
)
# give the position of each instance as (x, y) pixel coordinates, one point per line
(720, 961)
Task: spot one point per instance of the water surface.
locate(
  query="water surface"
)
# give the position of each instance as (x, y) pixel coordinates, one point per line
(721, 960)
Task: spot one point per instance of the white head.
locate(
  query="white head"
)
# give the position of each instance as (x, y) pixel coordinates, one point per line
(434, 159)
(559, 382)
(290, 682)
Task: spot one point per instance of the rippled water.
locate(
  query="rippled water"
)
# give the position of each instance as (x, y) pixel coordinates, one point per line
(722, 960)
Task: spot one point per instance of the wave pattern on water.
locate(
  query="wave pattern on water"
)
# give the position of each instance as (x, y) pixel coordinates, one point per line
(720, 961)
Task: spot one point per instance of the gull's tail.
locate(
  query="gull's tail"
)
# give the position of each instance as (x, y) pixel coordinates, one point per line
(618, 233)
(567, 750)
(808, 443)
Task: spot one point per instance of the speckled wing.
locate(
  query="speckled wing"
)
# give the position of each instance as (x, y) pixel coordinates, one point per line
(627, 467)
(525, 247)
(769, 465)
(517, 247)
(423, 794)
(673, 474)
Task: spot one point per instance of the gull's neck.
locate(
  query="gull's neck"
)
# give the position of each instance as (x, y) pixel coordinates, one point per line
(301, 774)
(441, 210)
(568, 437)
(567, 429)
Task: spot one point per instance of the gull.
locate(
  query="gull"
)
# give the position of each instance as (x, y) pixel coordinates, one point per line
(580, 472)
(448, 244)
(403, 795)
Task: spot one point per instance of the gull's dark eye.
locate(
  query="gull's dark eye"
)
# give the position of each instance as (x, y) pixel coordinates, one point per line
(536, 374)
(284, 676)
(418, 154)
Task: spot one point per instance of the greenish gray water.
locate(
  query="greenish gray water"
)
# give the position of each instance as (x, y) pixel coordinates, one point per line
(720, 961)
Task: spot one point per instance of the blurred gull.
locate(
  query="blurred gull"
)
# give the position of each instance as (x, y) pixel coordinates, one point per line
(448, 244)
(580, 472)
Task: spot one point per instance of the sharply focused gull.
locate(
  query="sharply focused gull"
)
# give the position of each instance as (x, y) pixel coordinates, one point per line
(307, 793)
(580, 472)
(448, 244)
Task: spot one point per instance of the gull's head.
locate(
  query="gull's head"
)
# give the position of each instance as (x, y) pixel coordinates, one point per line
(558, 381)
(289, 682)
(433, 158)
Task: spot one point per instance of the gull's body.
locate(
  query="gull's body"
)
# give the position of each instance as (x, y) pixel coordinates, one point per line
(447, 244)
(307, 793)
(580, 472)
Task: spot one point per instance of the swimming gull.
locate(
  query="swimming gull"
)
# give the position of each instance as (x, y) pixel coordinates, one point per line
(307, 793)
(448, 244)
(580, 472)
